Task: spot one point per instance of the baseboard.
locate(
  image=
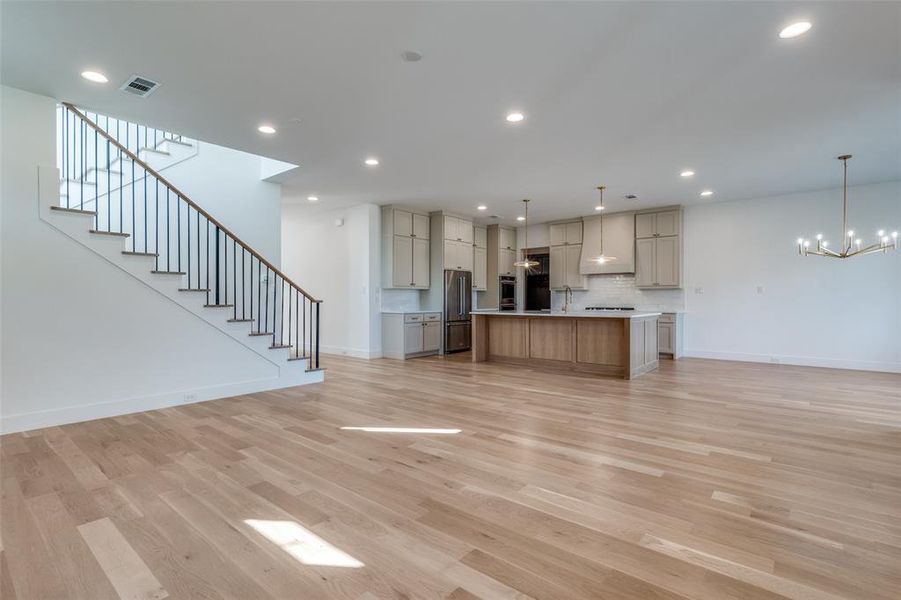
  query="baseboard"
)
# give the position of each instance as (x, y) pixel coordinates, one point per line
(801, 361)
(352, 352)
(116, 408)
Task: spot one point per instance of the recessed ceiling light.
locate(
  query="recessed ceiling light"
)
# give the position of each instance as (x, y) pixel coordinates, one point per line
(706, 193)
(482, 207)
(599, 207)
(411, 55)
(313, 198)
(267, 129)
(515, 117)
(94, 76)
(520, 218)
(688, 173)
(795, 29)
(371, 162)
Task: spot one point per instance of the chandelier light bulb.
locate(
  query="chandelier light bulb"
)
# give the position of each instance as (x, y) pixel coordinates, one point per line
(881, 232)
(857, 241)
(807, 243)
(800, 241)
(819, 236)
(895, 234)
(885, 239)
(825, 244)
(851, 233)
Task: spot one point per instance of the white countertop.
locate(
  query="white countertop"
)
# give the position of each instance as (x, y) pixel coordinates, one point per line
(596, 314)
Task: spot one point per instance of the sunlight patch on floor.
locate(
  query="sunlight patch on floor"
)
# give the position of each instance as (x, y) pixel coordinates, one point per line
(403, 429)
(303, 544)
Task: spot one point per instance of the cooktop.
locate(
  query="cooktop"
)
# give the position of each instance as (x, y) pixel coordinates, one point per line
(609, 308)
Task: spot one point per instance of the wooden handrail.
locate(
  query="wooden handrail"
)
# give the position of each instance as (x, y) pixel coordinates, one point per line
(190, 202)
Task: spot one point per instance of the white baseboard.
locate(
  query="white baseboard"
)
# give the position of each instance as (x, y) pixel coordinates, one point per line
(801, 361)
(116, 408)
(352, 352)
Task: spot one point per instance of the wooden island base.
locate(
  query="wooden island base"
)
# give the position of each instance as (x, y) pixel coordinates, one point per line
(622, 346)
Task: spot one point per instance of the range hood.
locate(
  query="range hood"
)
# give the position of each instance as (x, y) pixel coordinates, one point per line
(612, 235)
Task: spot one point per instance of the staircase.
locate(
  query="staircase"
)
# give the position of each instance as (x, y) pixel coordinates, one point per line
(112, 198)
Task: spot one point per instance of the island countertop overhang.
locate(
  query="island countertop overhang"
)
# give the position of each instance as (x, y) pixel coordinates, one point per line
(590, 314)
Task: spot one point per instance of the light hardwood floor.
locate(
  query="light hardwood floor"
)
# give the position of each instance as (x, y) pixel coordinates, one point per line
(704, 479)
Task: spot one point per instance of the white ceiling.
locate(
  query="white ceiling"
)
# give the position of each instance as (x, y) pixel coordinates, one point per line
(625, 94)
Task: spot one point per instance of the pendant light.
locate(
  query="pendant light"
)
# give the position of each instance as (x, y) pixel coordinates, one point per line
(601, 258)
(849, 245)
(526, 263)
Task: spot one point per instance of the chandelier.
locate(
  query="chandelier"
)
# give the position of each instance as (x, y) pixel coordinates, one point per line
(526, 262)
(602, 258)
(850, 245)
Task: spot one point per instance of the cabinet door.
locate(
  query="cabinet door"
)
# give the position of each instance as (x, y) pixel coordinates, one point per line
(557, 235)
(574, 233)
(431, 336)
(558, 267)
(480, 237)
(450, 254)
(573, 255)
(479, 268)
(506, 238)
(665, 337)
(508, 257)
(465, 255)
(464, 231)
(412, 338)
(402, 265)
(645, 225)
(666, 262)
(421, 226)
(645, 251)
(667, 223)
(420, 263)
(451, 228)
(403, 222)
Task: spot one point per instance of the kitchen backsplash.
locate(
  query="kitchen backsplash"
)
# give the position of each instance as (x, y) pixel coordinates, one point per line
(400, 300)
(620, 290)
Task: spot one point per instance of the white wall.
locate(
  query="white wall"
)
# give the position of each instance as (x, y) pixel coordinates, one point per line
(339, 265)
(824, 312)
(113, 345)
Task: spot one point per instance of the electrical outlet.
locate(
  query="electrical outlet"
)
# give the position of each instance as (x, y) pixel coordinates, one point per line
(760, 289)
(190, 398)
(699, 290)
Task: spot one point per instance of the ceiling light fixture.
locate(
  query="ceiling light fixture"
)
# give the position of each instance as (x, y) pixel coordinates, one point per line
(706, 193)
(795, 29)
(94, 76)
(481, 207)
(411, 55)
(267, 129)
(853, 245)
(371, 162)
(515, 117)
(602, 258)
(526, 263)
(688, 173)
(313, 198)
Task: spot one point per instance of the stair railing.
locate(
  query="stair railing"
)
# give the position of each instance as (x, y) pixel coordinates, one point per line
(130, 199)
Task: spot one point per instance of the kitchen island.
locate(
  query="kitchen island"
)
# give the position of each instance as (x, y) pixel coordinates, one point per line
(617, 343)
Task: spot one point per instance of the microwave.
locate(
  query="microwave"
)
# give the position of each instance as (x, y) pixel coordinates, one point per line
(506, 292)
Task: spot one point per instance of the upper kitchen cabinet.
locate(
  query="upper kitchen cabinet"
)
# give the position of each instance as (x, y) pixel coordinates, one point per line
(658, 249)
(480, 258)
(457, 229)
(405, 248)
(566, 234)
(566, 256)
(501, 254)
(612, 235)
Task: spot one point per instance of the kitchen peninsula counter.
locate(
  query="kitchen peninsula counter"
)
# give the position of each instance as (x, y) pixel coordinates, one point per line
(617, 343)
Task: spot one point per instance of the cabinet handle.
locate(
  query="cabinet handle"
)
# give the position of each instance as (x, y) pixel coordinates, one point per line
(412, 235)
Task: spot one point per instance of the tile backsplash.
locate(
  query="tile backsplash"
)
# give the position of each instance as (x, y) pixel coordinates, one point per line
(620, 290)
(400, 300)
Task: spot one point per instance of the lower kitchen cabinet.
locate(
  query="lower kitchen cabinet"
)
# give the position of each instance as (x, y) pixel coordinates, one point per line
(669, 335)
(408, 335)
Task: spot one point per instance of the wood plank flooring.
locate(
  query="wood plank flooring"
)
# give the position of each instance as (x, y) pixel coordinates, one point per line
(705, 479)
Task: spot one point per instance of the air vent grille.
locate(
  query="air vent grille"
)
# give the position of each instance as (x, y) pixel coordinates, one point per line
(139, 86)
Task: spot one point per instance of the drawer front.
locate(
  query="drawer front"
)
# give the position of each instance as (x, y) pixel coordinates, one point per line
(432, 316)
(413, 318)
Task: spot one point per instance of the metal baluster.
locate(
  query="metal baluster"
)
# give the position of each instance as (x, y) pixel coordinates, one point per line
(234, 278)
(178, 228)
(317, 334)
(189, 245)
(134, 229)
(274, 308)
(259, 281)
(243, 281)
(109, 187)
(168, 229)
(66, 131)
(216, 264)
(121, 181)
(281, 310)
(97, 186)
(81, 153)
(304, 326)
(198, 250)
(207, 261)
(145, 209)
(225, 266)
(156, 227)
(267, 299)
(290, 301)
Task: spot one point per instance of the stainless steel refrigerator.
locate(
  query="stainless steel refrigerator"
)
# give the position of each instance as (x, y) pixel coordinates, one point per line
(457, 306)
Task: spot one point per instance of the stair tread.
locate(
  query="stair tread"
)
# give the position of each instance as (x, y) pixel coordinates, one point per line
(149, 149)
(169, 272)
(218, 305)
(74, 210)
(240, 320)
(312, 370)
(133, 253)
(298, 358)
(115, 233)
(193, 289)
(256, 333)
(279, 346)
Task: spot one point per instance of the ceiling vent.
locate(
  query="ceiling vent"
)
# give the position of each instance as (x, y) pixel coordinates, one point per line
(139, 86)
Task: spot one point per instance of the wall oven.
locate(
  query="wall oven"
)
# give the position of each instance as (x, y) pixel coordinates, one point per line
(506, 293)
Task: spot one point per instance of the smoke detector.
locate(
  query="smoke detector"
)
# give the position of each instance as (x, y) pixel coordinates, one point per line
(139, 86)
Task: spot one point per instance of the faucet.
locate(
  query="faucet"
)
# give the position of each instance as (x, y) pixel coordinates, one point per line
(567, 298)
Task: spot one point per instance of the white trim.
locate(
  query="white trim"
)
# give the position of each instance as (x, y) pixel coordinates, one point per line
(353, 352)
(115, 408)
(802, 361)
